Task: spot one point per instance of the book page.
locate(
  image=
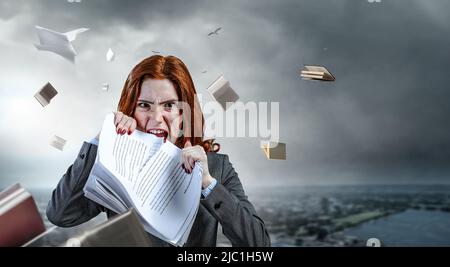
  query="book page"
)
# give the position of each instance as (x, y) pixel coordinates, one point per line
(143, 172)
(165, 193)
(124, 155)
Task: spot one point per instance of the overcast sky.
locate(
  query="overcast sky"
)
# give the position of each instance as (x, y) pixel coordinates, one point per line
(386, 118)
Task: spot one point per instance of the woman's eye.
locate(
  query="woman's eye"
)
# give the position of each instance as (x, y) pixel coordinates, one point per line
(144, 105)
(169, 105)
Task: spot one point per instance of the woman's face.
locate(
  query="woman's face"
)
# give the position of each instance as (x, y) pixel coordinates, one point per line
(157, 109)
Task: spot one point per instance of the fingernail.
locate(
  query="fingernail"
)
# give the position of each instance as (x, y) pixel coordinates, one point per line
(124, 131)
(117, 131)
(129, 132)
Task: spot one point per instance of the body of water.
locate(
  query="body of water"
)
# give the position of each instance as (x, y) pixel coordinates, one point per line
(408, 228)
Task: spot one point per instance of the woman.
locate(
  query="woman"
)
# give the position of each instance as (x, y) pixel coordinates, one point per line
(151, 102)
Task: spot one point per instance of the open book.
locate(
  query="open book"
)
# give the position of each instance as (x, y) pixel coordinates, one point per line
(143, 172)
(274, 150)
(124, 230)
(20, 220)
(222, 92)
(45, 94)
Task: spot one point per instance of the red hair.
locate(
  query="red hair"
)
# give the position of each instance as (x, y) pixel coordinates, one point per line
(173, 69)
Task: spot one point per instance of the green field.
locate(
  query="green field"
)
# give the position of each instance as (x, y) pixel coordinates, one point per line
(356, 219)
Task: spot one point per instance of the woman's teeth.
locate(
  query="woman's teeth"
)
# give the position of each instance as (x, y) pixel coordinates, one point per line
(159, 133)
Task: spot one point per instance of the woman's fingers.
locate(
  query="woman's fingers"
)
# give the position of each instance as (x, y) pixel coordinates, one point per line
(192, 163)
(127, 125)
(124, 124)
(189, 161)
(184, 160)
(192, 154)
(117, 117)
(132, 127)
(119, 120)
(121, 125)
(185, 156)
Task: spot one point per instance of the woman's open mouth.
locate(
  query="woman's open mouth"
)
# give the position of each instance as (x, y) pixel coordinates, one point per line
(158, 132)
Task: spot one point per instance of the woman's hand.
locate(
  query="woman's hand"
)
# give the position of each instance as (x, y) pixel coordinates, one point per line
(189, 155)
(124, 124)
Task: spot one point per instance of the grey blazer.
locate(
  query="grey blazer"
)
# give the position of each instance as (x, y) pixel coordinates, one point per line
(227, 204)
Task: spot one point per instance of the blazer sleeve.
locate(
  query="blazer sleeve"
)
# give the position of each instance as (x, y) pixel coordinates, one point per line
(228, 203)
(68, 206)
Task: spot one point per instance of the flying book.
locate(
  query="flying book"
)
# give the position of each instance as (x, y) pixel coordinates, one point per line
(123, 230)
(58, 142)
(45, 94)
(221, 91)
(316, 73)
(56, 236)
(274, 150)
(143, 172)
(20, 220)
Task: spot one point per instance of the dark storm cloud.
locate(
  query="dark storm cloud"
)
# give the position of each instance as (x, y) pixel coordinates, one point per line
(387, 113)
(385, 116)
(388, 106)
(101, 14)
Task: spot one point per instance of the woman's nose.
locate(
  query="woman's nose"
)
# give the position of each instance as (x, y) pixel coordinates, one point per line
(157, 115)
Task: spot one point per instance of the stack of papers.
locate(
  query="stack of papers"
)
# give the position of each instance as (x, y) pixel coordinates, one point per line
(142, 171)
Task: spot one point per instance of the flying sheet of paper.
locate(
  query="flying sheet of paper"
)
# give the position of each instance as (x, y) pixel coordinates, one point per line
(110, 56)
(59, 43)
(105, 87)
